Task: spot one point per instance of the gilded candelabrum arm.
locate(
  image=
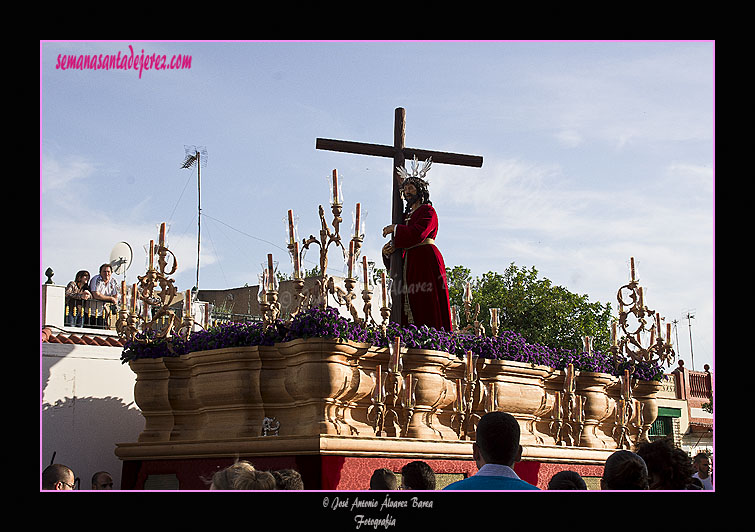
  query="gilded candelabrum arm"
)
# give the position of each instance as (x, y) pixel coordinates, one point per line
(367, 309)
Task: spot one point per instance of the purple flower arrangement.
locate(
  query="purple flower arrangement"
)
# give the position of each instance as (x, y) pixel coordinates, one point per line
(328, 323)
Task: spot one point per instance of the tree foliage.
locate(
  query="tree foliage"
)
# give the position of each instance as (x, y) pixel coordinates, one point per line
(533, 307)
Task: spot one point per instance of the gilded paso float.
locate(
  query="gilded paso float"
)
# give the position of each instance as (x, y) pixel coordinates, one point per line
(329, 387)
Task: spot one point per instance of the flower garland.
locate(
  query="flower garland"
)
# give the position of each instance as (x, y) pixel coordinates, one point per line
(328, 323)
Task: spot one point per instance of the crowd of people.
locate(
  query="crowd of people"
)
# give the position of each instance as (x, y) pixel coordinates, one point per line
(101, 290)
(657, 465)
(61, 478)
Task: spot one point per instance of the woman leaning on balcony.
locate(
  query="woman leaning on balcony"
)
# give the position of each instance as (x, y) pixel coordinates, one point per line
(77, 291)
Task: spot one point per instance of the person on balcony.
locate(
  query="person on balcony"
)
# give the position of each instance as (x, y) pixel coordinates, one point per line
(77, 292)
(105, 288)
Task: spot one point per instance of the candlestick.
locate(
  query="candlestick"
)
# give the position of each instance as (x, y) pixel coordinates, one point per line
(668, 333)
(613, 334)
(151, 253)
(291, 236)
(642, 302)
(364, 267)
(468, 293)
(356, 221)
(631, 260)
(123, 294)
(133, 298)
(162, 234)
(187, 302)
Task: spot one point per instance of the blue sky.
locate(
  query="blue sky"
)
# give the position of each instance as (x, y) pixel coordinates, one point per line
(593, 152)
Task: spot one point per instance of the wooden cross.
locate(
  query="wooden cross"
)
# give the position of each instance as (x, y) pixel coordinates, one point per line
(399, 153)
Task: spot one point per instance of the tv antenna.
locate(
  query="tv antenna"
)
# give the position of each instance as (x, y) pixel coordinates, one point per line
(196, 155)
(120, 258)
(689, 317)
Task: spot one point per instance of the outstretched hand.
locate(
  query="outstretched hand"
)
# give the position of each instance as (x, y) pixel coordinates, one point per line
(388, 229)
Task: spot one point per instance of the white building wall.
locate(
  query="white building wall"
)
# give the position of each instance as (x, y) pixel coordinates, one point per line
(87, 407)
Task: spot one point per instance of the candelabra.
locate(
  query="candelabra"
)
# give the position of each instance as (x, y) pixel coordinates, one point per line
(391, 394)
(567, 418)
(624, 411)
(631, 342)
(473, 324)
(157, 291)
(325, 284)
(268, 294)
(463, 416)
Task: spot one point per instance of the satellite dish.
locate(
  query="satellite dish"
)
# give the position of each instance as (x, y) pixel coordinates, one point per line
(120, 258)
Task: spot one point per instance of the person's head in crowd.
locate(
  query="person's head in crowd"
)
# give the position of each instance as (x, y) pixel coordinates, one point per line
(567, 480)
(288, 479)
(383, 479)
(58, 477)
(417, 475)
(102, 480)
(225, 478)
(701, 464)
(669, 468)
(497, 440)
(254, 480)
(624, 470)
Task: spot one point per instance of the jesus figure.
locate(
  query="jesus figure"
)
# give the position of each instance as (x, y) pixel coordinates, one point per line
(424, 288)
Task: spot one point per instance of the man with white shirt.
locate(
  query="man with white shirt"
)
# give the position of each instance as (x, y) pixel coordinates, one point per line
(104, 288)
(701, 463)
(495, 450)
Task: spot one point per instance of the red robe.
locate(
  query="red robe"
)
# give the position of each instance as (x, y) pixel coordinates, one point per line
(425, 287)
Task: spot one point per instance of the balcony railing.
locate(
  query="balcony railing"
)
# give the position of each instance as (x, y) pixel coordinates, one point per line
(89, 314)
